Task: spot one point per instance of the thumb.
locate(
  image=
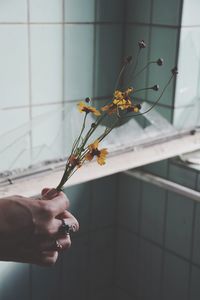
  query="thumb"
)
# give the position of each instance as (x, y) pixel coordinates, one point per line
(48, 194)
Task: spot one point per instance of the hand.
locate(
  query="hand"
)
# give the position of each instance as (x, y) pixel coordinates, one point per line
(29, 227)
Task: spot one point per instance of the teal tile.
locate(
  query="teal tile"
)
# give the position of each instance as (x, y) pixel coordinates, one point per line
(78, 63)
(179, 224)
(103, 202)
(176, 278)
(101, 260)
(79, 11)
(183, 176)
(15, 281)
(74, 274)
(109, 11)
(138, 11)
(104, 293)
(108, 51)
(161, 38)
(198, 181)
(48, 288)
(182, 117)
(79, 197)
(196, 245)
(166, 112)
(121, 295)
(195, 287)
(129, 193)
(158, 168)
(135, 33)
(153, 210)
(167, 12)
(149, 271)
(127, 262)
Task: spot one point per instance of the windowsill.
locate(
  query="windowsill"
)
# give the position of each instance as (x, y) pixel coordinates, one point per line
(117, 162)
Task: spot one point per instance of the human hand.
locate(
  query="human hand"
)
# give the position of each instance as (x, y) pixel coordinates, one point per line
(29, 228)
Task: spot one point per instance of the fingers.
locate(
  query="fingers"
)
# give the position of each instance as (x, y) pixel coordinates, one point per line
(70, 220)
(59, 202)
(59, 245)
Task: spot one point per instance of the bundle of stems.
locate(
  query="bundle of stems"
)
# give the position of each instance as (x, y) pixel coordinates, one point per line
(120, 107)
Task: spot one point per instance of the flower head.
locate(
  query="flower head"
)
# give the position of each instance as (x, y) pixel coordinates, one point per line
(134, 108)
(121, 101)
(74, 161)
(94, 151)
(142, 44)
(82, 107)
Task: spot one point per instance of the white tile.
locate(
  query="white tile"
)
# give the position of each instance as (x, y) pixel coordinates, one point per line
(46, 10)
(14, 66)
(78, 62)
(46, 63)
(47, 133)
(14, 135)
(73, 121)
(187, 117)
(187, 88)
(13, 11)
(190, 14)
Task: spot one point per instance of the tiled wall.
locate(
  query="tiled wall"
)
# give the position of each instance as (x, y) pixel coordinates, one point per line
(158, 243)
(157, 22)
(53, 54)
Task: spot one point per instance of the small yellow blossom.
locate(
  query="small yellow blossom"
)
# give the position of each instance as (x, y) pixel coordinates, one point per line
(82, 107)
(121, 101)
(94, 151)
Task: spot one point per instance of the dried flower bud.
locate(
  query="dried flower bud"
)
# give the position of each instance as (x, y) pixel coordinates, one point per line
(139, 106)
(128, 59)
(174, 71)
(142, 44)
(93, 125)
(155, 87)
(160, 61)
(87, 100)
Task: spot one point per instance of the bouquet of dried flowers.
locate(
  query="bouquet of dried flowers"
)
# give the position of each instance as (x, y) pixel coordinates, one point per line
(121, 106)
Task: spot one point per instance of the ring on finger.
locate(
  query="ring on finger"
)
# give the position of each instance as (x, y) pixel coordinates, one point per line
(65, 228)
(58, 246)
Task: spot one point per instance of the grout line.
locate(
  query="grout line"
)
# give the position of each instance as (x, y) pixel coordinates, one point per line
(156, 244)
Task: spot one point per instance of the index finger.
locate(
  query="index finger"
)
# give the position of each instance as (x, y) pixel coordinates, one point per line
(49, 194)
(58, 204)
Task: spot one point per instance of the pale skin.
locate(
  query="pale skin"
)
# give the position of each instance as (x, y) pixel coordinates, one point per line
(29, 227)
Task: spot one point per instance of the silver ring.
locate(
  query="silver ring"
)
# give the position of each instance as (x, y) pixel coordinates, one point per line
(64, 228)
(58, 245)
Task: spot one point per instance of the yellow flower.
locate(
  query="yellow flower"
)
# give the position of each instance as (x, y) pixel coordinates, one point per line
(82, 107)
(122, 104)
(121, 101)
(94, 151)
